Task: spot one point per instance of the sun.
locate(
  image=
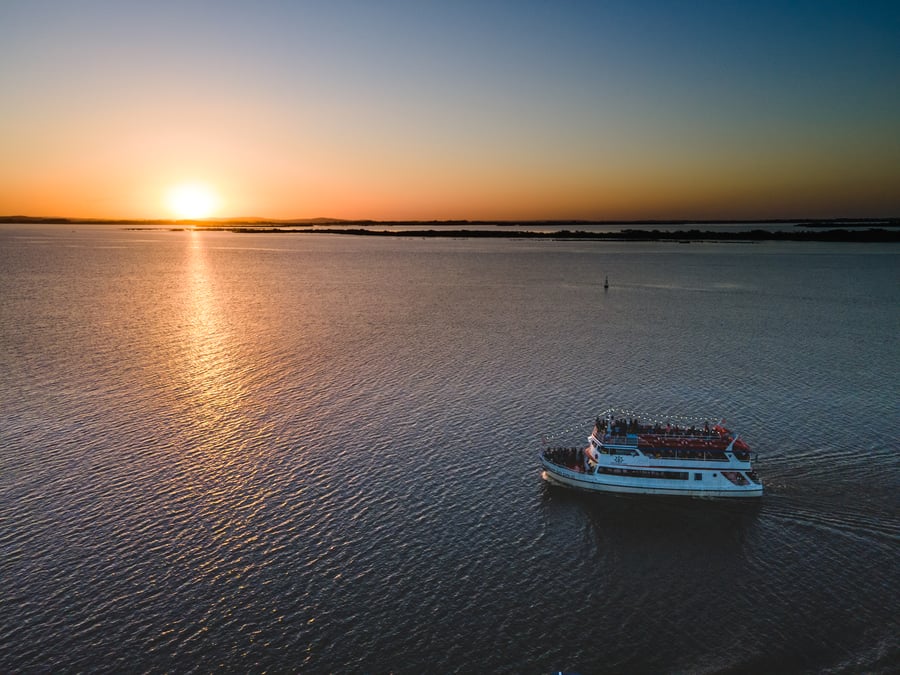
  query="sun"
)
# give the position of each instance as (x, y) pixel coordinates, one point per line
(192, 200)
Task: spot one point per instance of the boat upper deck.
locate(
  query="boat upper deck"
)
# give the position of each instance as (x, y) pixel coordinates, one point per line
(668, 441)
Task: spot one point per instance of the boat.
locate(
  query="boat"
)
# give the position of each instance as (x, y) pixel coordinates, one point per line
(630, 456)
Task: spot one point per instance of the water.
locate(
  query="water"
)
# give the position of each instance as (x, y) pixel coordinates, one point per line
(282, 452)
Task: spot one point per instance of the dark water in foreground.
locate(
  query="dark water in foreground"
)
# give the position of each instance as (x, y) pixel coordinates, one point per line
(318, 453)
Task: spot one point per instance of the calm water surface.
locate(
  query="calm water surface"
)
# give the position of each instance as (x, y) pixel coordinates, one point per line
(263, 452)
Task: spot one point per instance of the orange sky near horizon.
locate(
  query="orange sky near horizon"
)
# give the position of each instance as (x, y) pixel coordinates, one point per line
(450, 113)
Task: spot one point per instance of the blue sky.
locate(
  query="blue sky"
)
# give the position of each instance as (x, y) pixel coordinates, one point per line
(454, 109)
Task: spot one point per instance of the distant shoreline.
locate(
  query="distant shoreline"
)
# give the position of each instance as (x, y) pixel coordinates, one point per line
(872, 230)
(888, 222)
(872, 235)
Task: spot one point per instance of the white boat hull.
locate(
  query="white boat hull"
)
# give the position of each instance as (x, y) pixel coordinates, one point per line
(620, 484)
(623, 455)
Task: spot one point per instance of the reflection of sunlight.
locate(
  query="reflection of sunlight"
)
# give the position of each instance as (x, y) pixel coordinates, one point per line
(214, 388)
(215, 464)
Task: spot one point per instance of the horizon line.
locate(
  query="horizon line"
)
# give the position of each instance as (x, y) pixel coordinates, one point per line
(251, 220)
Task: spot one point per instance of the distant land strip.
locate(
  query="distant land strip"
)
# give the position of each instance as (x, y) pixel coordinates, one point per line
(253, 221)
(863, 230)
(871, 235)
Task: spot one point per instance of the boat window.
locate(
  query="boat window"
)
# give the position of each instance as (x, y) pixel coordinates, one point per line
(698, 476)
(644, 473)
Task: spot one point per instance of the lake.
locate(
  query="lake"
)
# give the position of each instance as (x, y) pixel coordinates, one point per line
(311, 452)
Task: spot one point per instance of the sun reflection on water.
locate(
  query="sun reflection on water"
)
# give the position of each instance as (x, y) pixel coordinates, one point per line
(217, 465)
(216, 480)
(214, 385)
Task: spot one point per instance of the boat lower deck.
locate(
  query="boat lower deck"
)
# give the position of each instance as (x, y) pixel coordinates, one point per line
(688, 481)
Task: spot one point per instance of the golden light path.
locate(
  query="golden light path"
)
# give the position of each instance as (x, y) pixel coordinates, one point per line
(192, 200)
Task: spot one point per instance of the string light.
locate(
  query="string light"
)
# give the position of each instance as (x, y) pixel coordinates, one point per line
(622, 412)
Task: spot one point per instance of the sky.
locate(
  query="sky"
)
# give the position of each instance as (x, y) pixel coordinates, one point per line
(481, 110)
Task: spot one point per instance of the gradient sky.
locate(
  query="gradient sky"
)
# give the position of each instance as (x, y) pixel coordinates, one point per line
(446, 110)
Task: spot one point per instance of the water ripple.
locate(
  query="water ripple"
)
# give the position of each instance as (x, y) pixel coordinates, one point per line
(224, 454)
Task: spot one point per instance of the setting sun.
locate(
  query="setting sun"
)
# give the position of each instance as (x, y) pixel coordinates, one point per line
(192, 201)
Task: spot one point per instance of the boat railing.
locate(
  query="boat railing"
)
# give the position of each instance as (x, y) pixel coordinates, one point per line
(702, 436)
(667, 435)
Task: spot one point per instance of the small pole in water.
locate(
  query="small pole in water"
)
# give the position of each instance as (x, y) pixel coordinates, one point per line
(606, 282)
